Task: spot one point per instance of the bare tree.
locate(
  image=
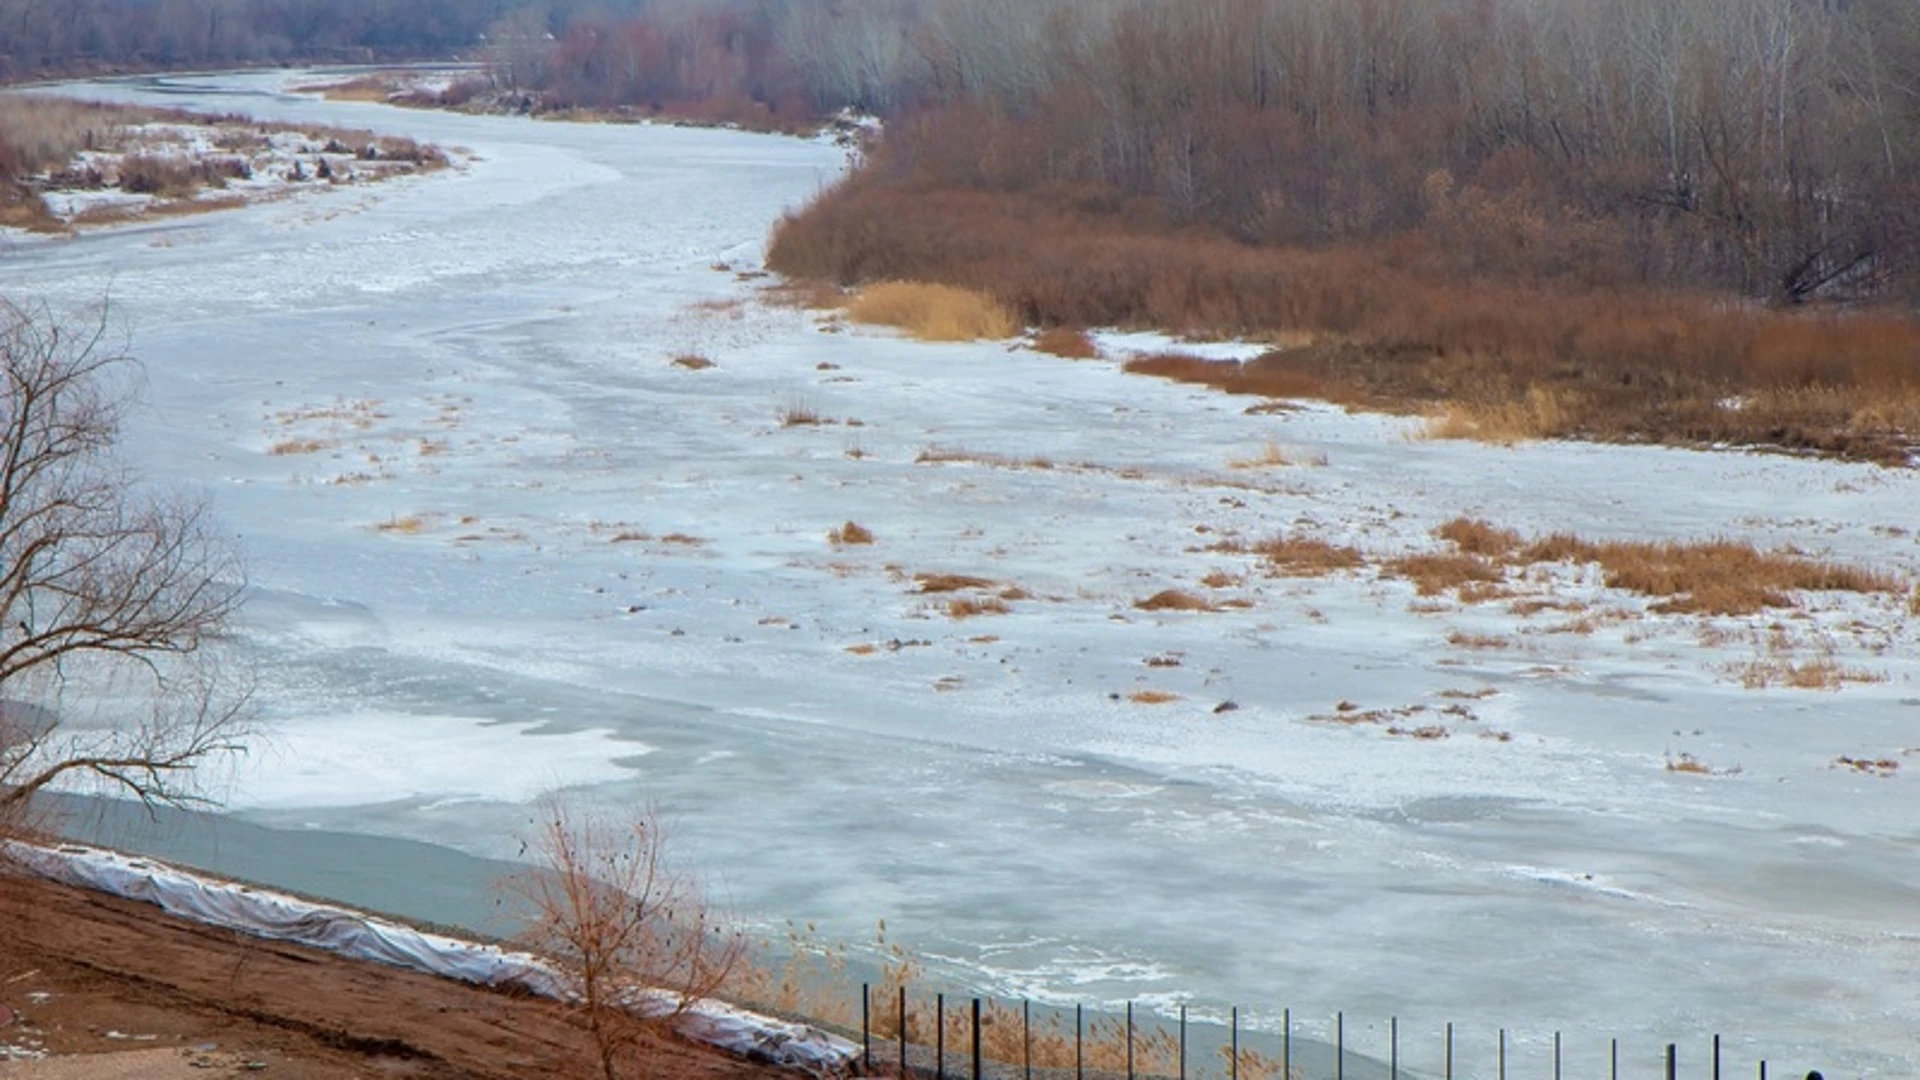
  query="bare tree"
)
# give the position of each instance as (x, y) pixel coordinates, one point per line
(632, 933)
(112, 600)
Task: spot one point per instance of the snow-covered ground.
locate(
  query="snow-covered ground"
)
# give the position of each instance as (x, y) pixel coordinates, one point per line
(500, 543)
(225, 162)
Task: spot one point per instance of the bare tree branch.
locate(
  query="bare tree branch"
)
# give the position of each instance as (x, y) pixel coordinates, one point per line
(108, 593)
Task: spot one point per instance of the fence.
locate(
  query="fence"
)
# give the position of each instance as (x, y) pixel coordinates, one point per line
(1159, 1048)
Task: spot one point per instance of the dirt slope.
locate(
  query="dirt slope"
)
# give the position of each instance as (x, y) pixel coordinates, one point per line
(88, 974)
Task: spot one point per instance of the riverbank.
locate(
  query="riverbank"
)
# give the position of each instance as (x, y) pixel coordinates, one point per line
(88, 976)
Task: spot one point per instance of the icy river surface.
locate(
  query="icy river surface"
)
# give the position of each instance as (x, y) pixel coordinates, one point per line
(501, 543)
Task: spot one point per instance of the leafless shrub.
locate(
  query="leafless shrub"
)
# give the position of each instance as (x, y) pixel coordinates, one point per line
(632, 933)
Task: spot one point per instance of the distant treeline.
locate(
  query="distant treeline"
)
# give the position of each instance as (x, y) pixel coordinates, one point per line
(53, 37)
(1770, 147)
(1766, 146)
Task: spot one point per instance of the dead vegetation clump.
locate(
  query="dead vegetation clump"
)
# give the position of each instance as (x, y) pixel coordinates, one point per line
(1433, 574)
(944, 583)
(692, 362)
(1711, 577)
(966, 607)
(928, 312)
(1173, 600)
(1066, 342)
(1306, 556)
(1706, 577)
(1152, 697)
(1264, 379)
(1820, 673)
(849, 533)
(1687, 763)
(1476, 537)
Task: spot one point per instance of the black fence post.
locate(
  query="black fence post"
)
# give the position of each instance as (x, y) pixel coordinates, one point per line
(1673, 1062)
(1501, 1060)
(1763, 1069)
(939, 1037)
(1556, 1056)
(1286, 1043)
(866, 1026)
(1026, 1036)
(1079, 1062)
(976, 1039)
(1233, 1027)
(1393, 1047)
(1339, 1046)
(1449, 1050)
(1614, 1056)
(1716, 1057)
(1129, 1040)
(903, 1031)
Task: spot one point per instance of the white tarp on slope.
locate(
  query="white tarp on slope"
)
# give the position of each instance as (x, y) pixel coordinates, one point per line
(360, 936)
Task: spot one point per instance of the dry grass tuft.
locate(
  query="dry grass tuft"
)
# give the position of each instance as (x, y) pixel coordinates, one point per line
(1476, 537)
(849, 533)
(1219, 579)
(1434, 574)
(1542, 414)
(411, 525)
(943, 583)
(1152, 697)
(799, 414)
(1305, 556)
(1882, 767)
(1823, 673)
(1173, 600)
(288, 447)
(933, 312)
(692, 362)
(683, 539)
(963, 607)
(864, 648)
(1687, 763)
(1066, 342)
(1712, 577)
(1272, 456)
(1462, 640)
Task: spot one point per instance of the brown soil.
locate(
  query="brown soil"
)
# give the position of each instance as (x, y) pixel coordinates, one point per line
(109, 988)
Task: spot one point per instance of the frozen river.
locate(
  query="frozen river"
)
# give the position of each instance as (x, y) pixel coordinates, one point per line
(500, 545)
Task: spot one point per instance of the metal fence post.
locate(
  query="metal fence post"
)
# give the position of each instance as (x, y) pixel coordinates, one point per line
(1501, 1061)
(1673, 1062)
(1183, 1042)
(1233, 1063)
(1129, 1040)
(1556, 1056)
(1340, 1046)
(1449, 1050)
(1026, 1036)
(976, 1039)
(1614, 1055)
(939, 1037)
(1716, 1057)
(1079, 1063)
(1393, 1047)
(1286, 1043)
